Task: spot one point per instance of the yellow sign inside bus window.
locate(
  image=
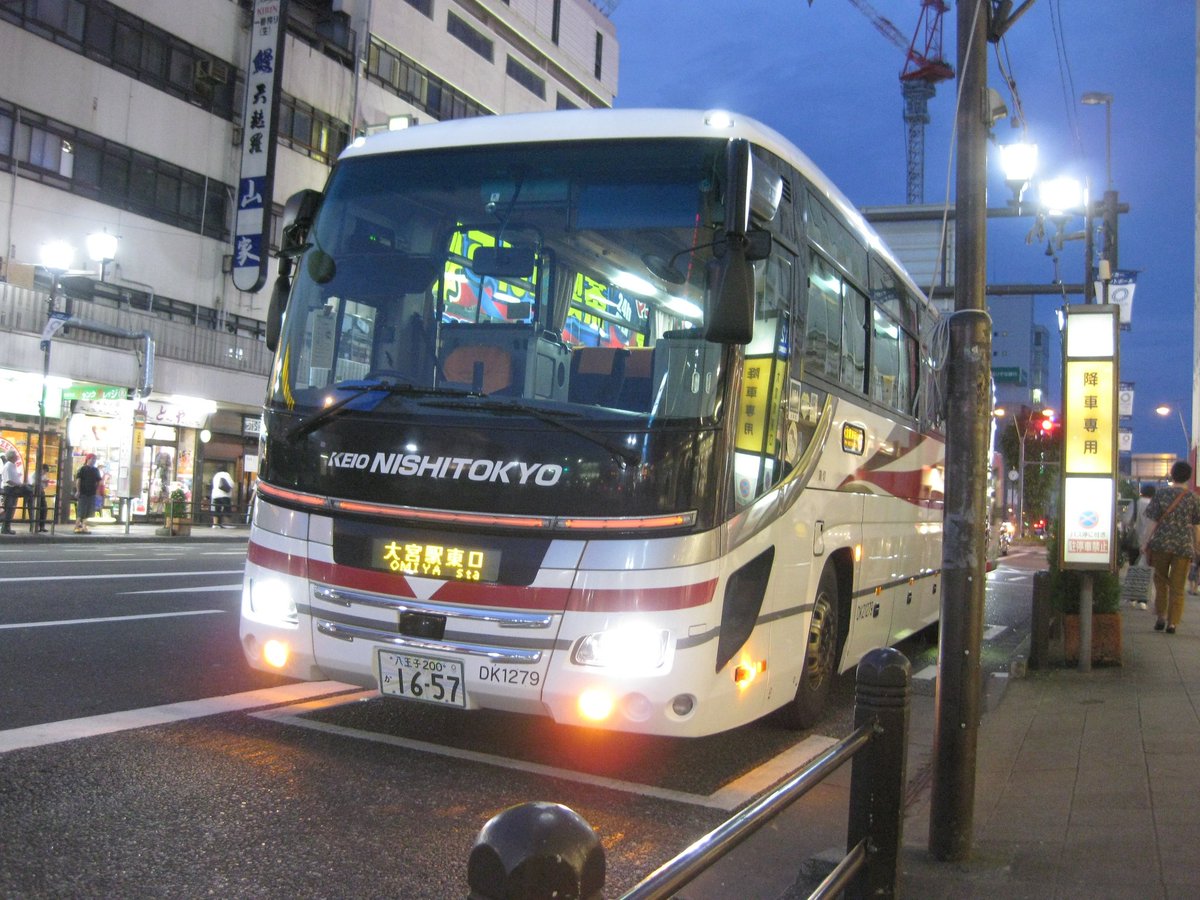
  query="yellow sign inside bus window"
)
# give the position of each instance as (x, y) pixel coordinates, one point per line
(757, 413)
(446, 561)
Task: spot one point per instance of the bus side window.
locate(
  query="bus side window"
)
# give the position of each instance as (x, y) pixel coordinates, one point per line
(823, 341)
(854, 340)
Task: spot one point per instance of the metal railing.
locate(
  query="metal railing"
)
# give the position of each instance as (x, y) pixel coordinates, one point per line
(24, 310)
(532, 848)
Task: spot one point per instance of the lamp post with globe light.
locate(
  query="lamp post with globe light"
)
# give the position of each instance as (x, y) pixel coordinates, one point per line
(101, 248)
(56, 257)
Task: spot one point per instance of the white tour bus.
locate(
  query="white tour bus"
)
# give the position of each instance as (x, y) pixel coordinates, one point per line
(625, 418)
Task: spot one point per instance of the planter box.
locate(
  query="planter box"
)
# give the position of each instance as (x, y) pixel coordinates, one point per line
(1106, 638)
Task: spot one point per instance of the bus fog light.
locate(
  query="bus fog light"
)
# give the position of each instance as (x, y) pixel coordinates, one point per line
(596, 705)
(683, 705)
(269, 600)
(636, 707)
(276, 653)
(631, 648)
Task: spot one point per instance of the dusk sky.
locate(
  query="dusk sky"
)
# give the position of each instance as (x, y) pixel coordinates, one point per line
(825, 78)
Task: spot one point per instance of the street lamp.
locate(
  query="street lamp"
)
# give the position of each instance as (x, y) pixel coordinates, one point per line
(1019, 162)
(1165, 409)
(1096, 98)
(56, 258)
(101, 248)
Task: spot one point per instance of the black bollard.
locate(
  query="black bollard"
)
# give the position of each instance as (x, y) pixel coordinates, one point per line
(878, 773)
(536, 851)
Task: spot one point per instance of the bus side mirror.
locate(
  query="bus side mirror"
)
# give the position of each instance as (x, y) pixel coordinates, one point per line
(298, 215)
(731, 318)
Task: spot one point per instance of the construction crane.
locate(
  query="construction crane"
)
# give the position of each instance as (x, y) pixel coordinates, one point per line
(923, 69)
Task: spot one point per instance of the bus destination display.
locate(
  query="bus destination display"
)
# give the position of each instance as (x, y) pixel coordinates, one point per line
(451, 562)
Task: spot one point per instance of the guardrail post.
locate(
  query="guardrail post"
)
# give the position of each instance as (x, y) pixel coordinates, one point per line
(536, 851)
(878, 773)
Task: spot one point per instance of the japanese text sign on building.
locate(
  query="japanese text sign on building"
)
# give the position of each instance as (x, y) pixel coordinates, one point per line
(260, 113)
(1090, 444)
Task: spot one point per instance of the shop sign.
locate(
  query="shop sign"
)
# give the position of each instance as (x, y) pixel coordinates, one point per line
(251, 426)
(1090, 441)
(159, 413)
(97, 392)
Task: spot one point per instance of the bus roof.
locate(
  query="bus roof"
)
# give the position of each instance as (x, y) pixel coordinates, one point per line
(617, 124)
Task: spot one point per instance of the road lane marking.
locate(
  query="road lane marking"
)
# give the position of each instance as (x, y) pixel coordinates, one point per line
(187, 590)
(95, 726)
(190, 612)
(727, 798)
(97, 576)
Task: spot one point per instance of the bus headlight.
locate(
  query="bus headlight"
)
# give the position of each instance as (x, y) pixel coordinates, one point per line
(270, 601)
(631, 648)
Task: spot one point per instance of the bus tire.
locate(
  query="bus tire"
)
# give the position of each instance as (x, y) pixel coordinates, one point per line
(820, 657)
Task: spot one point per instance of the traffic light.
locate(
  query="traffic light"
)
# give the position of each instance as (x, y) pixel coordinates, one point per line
(1047, 425)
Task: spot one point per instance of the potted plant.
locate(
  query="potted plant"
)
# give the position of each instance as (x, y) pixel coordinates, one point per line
(1065, 586)
(175, 512)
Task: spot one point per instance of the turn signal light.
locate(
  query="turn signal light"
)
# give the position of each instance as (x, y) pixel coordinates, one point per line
(745, 674)
(596, 705)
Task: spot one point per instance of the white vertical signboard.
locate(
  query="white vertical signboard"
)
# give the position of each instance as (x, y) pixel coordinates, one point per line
(260, 110)
(1088, 524)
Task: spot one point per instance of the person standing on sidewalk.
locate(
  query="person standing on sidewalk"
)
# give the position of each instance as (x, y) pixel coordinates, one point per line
(12, 487)
(43, 486)
(1176, 514)
(222, 490)
(87, 480)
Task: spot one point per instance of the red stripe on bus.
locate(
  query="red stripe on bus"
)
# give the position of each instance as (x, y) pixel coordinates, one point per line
(276, 560)
(661, 599)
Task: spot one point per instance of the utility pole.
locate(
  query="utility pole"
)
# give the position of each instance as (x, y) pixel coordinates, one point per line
(958, 701)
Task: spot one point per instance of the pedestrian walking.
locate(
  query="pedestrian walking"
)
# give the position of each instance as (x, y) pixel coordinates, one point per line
(1172, 544)
(1139, 577)
(87, 481)
(12, 486)
(222, 490)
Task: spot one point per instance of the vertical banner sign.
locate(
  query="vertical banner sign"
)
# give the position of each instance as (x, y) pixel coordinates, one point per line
(1120, 292)
(1090, 377)
(260, 113)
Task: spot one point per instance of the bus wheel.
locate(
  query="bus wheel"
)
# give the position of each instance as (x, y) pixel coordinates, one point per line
(820, 657)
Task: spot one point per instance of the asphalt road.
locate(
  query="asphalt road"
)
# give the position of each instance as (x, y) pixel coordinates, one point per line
(140, 757)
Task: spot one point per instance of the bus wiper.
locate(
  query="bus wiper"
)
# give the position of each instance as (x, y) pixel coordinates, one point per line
(325, 413)
(624, 457)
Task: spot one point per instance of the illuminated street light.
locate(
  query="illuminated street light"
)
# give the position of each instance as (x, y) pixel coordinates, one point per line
(101, 248)
(1062, 196)
(1019, 162)
(1165, 409)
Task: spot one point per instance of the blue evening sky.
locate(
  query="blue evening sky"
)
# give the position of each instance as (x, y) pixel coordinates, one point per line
(825, 78)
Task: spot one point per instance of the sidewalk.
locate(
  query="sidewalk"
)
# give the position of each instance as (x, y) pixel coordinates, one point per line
(1087, 784)
(116, 531)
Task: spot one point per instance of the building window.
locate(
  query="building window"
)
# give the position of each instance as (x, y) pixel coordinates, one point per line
(555, 20)
(599, 53)
(87, 165)
(310, 131)
(469, 36)
(390, 68)
(562, 102)
(535, 84)
(425, 7)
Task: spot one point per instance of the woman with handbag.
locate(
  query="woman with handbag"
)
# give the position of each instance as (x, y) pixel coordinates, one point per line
(1176, 514)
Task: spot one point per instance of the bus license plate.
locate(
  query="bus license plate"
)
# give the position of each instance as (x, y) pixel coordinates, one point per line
(430, 679)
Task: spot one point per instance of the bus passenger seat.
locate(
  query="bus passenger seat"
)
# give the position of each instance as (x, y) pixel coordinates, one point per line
(636, 388)
(596, 375)
(481, 368)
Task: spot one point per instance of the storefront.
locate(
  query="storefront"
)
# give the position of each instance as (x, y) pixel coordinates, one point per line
(21, 426)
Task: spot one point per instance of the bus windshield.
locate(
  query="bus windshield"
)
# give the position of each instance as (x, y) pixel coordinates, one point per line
(571, 275)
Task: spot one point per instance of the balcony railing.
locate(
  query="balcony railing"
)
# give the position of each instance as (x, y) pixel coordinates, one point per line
(203, 342)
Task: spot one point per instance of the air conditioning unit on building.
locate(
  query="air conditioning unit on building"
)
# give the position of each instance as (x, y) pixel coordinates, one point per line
(212, 71)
